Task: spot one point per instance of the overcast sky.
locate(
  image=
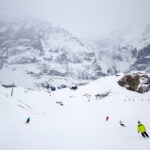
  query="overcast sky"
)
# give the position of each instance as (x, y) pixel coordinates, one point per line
(85, 18)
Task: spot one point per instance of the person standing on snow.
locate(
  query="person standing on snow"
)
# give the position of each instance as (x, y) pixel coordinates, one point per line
(121, 123)
(28, 120)
(141, 128)
(107, 118)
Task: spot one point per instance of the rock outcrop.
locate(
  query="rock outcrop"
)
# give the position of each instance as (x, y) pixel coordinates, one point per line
(139, 82)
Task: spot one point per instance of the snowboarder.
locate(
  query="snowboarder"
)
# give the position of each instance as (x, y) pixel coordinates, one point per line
(28, 120)
(141, 128)
(107, 118)
(121, 123)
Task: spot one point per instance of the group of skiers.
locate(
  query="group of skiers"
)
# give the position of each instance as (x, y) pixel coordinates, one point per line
(141, 128)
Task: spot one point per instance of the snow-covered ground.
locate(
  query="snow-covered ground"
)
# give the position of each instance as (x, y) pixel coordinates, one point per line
(80, 124)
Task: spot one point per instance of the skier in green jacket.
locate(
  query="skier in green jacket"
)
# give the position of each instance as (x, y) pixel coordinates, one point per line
(141, 128)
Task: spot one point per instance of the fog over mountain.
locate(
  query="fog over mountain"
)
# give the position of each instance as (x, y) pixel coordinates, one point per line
(87, 19)
(55, 43)
(35, 54)
(40, 54)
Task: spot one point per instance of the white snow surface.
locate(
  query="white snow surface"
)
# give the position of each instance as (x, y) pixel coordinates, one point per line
(77, 125)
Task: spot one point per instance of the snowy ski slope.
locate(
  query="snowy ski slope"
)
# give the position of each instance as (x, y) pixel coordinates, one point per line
(77, 125)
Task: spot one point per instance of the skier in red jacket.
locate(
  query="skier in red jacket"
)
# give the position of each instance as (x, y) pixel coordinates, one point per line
(107, 118)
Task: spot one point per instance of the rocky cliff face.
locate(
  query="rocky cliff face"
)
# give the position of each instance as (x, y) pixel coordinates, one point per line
(34, 51)
(124, 52)
(143, 60)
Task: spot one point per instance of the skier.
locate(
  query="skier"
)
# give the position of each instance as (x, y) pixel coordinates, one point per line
(107, 118)
(121, 123)
(141, 128)
(28, 120)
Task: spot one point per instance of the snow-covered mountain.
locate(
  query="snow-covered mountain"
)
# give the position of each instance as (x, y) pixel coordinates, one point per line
(80, 123)
(123, 50)
(143, 60)
(35, 54)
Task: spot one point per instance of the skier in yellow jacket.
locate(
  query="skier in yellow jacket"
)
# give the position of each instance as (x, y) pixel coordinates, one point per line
(141, 128)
